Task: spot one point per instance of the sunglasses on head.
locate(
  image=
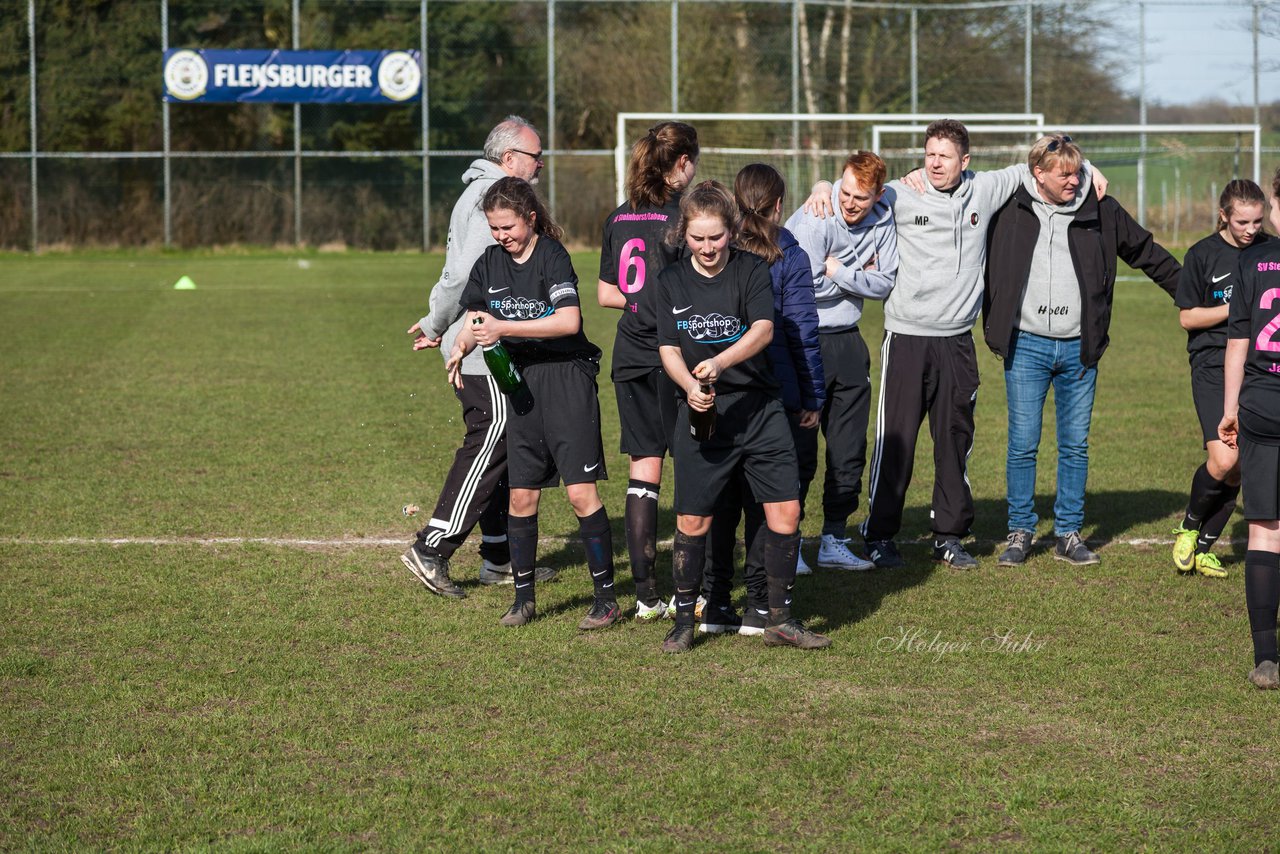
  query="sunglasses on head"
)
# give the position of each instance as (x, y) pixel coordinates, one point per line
(1056, 143)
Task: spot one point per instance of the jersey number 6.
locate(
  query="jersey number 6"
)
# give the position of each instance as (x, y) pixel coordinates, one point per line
(631, 266)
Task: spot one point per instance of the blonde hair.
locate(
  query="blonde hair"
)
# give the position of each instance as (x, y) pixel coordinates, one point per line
(1053, 150)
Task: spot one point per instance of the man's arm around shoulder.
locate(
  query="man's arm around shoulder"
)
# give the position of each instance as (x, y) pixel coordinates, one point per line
(1138, 248)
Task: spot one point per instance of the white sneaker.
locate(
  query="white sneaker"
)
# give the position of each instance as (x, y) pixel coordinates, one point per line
(834, 553)
(646, 613)
(802, 568)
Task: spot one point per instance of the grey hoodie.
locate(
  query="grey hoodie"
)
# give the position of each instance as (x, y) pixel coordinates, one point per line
(942, 247)
(840, 299)
(1051, 302)
(468, 238)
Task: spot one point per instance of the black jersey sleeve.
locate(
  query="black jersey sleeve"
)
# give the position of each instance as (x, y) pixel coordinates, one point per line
(759, 293)
(608, 259)
(472, 298)
(562, 281)
(1240, 315)
(667, 332)
(1189, 293)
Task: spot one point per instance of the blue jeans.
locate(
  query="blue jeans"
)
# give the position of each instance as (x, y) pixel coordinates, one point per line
(1034, 364)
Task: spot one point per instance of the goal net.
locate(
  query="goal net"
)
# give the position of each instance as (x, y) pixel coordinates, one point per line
(802, 146)
(1167, 175)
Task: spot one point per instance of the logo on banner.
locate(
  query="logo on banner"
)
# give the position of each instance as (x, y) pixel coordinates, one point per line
(216, 76)
(399, 76)
(186, 75)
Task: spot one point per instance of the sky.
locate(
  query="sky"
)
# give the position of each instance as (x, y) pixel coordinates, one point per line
(1200, 51)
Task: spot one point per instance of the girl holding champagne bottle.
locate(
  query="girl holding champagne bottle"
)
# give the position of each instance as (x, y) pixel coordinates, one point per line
(523, 293)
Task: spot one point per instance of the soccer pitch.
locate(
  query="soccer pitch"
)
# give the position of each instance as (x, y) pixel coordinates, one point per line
(251, 667)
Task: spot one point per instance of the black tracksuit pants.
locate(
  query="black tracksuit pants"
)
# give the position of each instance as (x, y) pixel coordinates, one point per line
(920, 376)
(846, 364)
(475, 489)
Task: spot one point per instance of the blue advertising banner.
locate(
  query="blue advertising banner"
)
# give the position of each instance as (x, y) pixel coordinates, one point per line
(292, 76)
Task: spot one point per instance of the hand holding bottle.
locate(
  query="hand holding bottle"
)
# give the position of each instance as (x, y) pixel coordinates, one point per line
(701, 397)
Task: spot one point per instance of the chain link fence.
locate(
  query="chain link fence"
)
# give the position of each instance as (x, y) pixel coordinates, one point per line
(91, 156)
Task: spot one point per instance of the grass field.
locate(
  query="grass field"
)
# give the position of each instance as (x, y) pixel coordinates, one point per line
(187, 690)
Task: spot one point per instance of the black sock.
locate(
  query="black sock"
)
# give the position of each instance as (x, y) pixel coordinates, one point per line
(1206, 497)
(522, 537)
(780, 551)
(642, 537)
(753, 574)
(837, 528)
(1217, 520)
(597, 538)
(722, 543)
(1262, 596)
(687, 556)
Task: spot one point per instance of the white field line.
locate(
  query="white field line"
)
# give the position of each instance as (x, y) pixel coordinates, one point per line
(377, 542)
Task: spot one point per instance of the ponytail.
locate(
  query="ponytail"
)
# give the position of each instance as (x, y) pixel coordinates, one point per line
(757, 189)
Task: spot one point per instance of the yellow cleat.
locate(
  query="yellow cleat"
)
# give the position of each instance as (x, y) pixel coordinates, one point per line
(1184, 549)
(1208, 565)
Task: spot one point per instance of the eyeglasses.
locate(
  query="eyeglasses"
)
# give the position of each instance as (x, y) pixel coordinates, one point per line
(538, 155)
(1056, 143)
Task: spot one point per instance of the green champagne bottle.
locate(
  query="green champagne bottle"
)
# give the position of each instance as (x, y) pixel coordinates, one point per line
(500, 365)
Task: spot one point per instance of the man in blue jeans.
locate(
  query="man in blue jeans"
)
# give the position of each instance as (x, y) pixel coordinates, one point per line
(1051, 270)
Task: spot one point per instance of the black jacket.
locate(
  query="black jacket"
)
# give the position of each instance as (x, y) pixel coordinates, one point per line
(1101, 232)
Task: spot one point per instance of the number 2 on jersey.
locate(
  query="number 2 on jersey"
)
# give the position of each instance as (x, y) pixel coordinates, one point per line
(1265, 342)
(631, 266)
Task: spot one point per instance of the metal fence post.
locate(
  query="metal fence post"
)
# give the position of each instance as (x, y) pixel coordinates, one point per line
(1257, 97)
(1026, 61)
(793, 172)
(1142, 113)
(35, 193)
(297, 149)
(426, 156)
(164, 105)
(551, 99)
(915, 60)
(675, 55)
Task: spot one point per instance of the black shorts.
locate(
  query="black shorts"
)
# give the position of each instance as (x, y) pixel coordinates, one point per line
(1259, 480)
(647, 413)
(752, 436)
(1206, 391)
(559, 438)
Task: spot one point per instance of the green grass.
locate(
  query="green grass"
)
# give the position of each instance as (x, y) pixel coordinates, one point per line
(252, 697)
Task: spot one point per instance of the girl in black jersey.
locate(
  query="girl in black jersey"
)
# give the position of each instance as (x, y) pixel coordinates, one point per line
(715, 320)
(632, 254)
(796, 356)
(524, 293)
(1209, 275)
(1251, 424)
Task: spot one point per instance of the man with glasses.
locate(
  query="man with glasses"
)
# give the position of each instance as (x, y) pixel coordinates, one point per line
(1051, 270)
(475, 489)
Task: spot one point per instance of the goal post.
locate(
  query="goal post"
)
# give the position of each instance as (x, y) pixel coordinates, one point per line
(801, 145)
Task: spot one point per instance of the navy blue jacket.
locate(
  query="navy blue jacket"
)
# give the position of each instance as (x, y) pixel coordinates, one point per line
(797, 361)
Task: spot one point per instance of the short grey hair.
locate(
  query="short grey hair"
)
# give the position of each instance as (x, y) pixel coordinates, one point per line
(505, 137)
